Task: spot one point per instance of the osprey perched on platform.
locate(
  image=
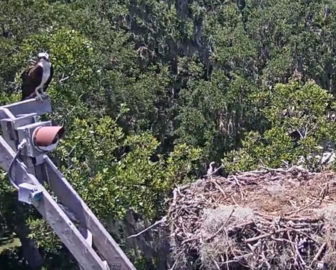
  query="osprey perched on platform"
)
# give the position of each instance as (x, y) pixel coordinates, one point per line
(36, 79)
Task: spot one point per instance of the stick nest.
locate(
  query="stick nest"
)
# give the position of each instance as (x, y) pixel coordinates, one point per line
(264, 219)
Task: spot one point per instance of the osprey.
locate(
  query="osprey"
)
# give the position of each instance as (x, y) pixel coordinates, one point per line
(211, 170)
(36, 78)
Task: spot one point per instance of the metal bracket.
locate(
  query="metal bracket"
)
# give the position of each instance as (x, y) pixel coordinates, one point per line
(30, 194)
(27, 133)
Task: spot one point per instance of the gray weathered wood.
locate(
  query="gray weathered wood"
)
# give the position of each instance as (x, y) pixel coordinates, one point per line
(104, 243)
(54, 215)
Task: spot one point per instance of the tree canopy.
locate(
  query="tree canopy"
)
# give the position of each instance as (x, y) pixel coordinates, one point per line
(150, 92)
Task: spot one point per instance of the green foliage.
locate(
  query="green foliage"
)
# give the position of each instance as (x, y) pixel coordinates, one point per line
(43, 236)
(113, 172)
(150, 92)
(215, 112)
(293, 108)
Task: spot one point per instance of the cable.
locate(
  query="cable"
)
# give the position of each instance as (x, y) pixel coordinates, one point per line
(20, 147)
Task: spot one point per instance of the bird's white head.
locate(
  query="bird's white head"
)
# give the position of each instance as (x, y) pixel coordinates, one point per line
(43, 55)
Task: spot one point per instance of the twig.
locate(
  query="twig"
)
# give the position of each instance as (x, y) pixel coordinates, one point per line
(303, 208)
(265, 260)
(219, 187)
(221, 228)
(63, 79)
(264, 236)
(238, 258)
(240, 226)
(303, 263)
(162, 220)
(318, 254)
(216, 264)
(190, 239)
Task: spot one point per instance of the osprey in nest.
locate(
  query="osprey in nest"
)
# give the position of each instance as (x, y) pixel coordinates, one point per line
(36, 78)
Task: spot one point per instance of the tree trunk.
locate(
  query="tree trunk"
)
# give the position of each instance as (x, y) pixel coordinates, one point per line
(29, 250)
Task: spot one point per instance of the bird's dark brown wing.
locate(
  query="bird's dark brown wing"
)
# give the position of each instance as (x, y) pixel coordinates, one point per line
(31, 78)
(49, 80)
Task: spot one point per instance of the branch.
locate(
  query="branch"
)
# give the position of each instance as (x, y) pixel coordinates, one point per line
(162, 220)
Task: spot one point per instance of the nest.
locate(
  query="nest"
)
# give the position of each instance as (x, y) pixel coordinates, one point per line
(264, 219)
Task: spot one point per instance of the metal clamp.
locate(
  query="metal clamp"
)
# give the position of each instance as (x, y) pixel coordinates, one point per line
(30, 194)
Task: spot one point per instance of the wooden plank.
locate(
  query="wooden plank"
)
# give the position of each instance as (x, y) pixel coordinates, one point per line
(68, 233)
(54, 215)
(102, 240)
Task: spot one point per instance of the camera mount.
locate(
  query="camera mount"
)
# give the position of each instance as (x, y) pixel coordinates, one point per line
(24, 144)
